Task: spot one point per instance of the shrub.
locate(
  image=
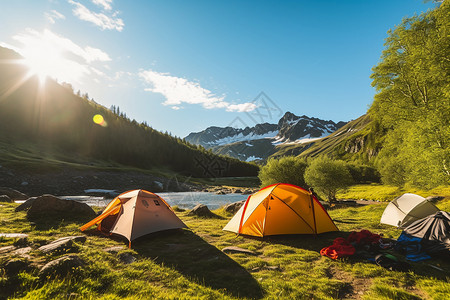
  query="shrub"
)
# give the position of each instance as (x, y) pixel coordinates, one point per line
(327, 176)
(288, 169)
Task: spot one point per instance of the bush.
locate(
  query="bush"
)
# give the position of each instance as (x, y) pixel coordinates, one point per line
(327, 176)
(363, 173)
(288, 169)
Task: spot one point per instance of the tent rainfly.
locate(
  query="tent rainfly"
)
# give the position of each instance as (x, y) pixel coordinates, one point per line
(406, 209)
(136, 213)
(434, 230)
(281, 209)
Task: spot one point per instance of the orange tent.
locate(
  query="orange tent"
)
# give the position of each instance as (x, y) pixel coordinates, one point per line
(136, 213)
(281, 209)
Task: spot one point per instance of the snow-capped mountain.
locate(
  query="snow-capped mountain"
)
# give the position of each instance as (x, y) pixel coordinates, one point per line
(259, 142)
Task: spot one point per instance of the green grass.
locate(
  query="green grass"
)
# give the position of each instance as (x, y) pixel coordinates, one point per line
(190, 264)
(387, 193)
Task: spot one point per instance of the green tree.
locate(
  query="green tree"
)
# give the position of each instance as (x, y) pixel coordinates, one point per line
(327, 176)
(288, 169)
(412, 103)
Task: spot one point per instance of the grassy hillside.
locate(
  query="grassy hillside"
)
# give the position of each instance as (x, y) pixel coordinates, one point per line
(353, 141)
(190, 264)
(52, 118)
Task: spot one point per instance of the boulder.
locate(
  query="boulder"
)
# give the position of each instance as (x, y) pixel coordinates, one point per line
(237, 191)
(5, 198)
(49, 206)
(15, 266)
(201, 210)
(61, 266)
(13, 194)
(114, 249)
(26, 205)
(64, 244)
(234, 207)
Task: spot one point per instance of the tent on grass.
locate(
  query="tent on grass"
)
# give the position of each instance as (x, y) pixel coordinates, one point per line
(406, 209)
(434, 231)
(281, 209)
(136, 213)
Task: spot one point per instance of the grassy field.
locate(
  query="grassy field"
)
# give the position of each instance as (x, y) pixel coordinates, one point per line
(190, 264)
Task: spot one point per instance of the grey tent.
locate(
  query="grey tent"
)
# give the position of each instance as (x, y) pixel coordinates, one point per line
(434, 231)
(406, 209)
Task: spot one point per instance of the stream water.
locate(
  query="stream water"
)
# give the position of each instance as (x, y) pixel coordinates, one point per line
(186, 200)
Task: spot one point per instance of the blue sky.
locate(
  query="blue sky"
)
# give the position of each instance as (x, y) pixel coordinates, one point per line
(182, 66)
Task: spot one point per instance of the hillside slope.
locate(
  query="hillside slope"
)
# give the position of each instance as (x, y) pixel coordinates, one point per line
(49, 116)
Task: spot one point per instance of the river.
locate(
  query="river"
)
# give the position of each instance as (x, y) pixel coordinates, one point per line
(186, 200)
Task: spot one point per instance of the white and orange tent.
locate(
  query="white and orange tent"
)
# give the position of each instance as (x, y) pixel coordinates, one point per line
(281, 209)
(136, 213)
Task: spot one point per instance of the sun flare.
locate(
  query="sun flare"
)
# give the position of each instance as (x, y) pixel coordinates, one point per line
(43, 60)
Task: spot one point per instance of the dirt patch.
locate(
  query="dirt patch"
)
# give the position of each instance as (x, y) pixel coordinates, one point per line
(356, 286)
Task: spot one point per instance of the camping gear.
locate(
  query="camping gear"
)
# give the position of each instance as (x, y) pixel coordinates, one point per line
(391, 263)
(340, 248)
(433, 232)
(281, 209)
(364, 241)
(406, 209)
(412, 248)
(136, 213)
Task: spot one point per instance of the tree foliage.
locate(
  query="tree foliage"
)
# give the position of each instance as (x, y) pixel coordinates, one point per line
(288, 169)
(412, 103)
(327, 176)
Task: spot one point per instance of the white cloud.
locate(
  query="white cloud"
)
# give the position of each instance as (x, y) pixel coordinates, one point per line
(106, 4)
(178, 90)
(99, 19)
(60, 44)
(53, 15)
(61, 57)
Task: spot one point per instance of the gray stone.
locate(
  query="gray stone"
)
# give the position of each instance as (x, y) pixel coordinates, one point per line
(247, 192)
(26, 205)
(22, 251)
(13, 194)
(7, 249)
(5, 198)
(201, 210)
(234, 249)
(15, 266)
(126, 258)
(234, 207)
(61, 266)
(64, 244)
(114, 249)
(237, 191)
(53, 207)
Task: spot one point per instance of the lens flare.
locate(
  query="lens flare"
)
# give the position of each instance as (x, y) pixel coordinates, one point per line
(98, 119)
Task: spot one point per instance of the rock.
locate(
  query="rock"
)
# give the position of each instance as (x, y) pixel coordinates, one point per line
(61, 266)
(126, 258)
(14, 235)
(24, 183)
(22, 251)
(237, 191)
(220, 192)
(114, 250)
(7, 249)
(13, 194)
(201, 210)
(49, 206)
(247, 192)
(234, 249)
(5, 198)
(26, 205)
(64, 244)
(15, 266)
(234, 207)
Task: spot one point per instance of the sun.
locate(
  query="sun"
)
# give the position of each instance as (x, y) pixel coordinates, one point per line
(43, 60)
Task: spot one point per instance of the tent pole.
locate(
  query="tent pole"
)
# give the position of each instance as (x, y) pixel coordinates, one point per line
(311, 195)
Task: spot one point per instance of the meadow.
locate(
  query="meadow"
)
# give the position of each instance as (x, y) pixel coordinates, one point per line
(189, 263)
